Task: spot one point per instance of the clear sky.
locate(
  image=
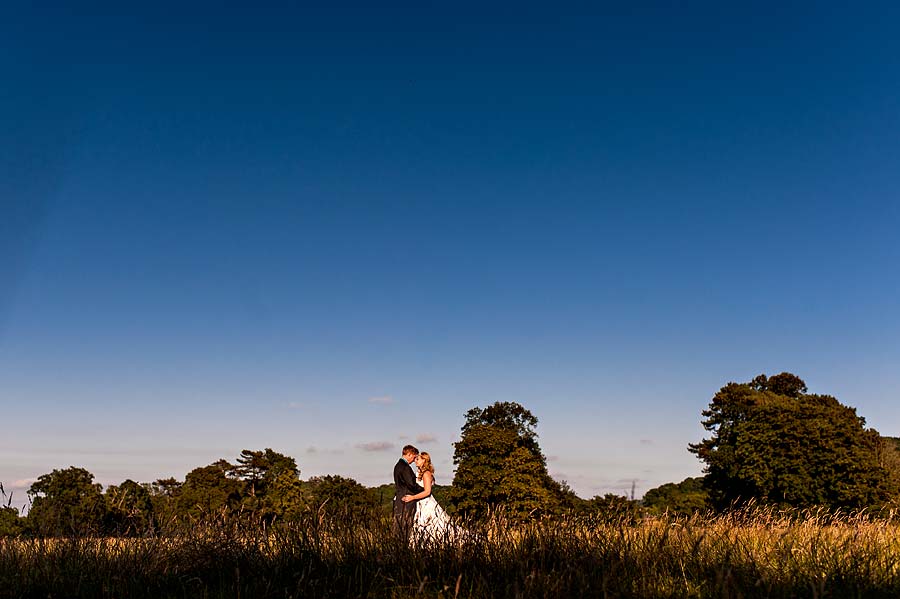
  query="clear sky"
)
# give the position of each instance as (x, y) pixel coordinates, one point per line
(328, 233)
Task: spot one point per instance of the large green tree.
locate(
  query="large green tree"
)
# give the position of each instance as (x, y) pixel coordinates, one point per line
(499, 463)
(272, 487)
(772, 441)
(209, 490)
(65, 502)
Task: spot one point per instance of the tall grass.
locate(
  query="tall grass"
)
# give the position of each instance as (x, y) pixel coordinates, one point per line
(750, 553)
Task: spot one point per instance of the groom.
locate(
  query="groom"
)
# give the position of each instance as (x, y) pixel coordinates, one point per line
(405, 483)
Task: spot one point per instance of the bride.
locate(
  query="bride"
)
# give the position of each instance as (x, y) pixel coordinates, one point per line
(431, 521)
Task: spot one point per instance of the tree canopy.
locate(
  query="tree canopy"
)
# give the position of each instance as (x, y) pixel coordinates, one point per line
(271, 484)
(333, 493)
(773, 442)
(129, 508)
(499, 463)
(64, 502)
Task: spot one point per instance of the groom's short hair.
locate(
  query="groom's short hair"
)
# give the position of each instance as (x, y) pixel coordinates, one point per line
(410, 449)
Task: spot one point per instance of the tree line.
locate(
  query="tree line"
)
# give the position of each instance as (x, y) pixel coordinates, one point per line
(770, 442)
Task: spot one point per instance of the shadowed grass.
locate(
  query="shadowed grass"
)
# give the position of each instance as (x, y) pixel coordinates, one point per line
(749, 553)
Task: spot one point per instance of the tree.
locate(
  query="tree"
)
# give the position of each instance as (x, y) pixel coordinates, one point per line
(129, 508)
(10, 521)
(612, 507)
(259, 468)
(272, 487)
(285, 498)
(209, 490)
(889, 459)
(685, 497)
(164, 493)
(787, 384)
(773, 442)
(499, 463)
(65, 502)
(337, 494)
(569, 501)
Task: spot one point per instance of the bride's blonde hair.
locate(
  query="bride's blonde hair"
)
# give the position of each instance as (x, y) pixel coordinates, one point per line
(427, 466)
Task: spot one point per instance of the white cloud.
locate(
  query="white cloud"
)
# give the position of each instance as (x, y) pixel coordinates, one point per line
(425, 438)
(376, 446)
(384, 400)
(313, 450)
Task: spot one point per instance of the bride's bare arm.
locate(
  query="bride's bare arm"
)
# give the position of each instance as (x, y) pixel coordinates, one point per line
(427, 481)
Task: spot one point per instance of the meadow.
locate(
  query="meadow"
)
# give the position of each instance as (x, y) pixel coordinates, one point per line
(750, 553)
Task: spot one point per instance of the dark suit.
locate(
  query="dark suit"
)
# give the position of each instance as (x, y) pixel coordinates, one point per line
(405, 484)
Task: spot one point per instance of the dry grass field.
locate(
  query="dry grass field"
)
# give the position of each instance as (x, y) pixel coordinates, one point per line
(750, 553)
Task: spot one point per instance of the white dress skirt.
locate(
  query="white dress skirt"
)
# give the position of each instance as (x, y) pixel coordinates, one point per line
(432, 523)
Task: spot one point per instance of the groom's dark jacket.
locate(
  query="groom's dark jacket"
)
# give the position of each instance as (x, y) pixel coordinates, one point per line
(405, 482)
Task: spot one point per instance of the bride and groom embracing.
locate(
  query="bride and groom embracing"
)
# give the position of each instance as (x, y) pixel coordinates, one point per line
(416, 512)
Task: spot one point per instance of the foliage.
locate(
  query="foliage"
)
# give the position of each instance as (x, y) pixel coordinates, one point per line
(773, 442)
(499, 463)
(209, 490)
(129, 508)
(164, 494)
(610, 507)
(10, 522)
(888, 451)
(685, 497)
(334, 493)
(384, 494)
(259, 468)
(272, 487)
(568, 500)
(65, 502)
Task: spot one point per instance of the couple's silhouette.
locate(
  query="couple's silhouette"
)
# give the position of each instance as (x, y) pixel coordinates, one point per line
(417, 513)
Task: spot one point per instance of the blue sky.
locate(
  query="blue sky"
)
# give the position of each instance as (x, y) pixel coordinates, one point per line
(333, 232)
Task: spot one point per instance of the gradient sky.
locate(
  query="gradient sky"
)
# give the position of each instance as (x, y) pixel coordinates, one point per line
(328, 233)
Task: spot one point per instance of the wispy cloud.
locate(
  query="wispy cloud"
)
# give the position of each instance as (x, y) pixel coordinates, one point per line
(313, 450)
(22, 483)
(383, 400)
(646, 441)
(375, 446)
(425, 438)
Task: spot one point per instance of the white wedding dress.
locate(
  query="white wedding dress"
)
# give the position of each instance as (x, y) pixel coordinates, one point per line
(432, 523)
